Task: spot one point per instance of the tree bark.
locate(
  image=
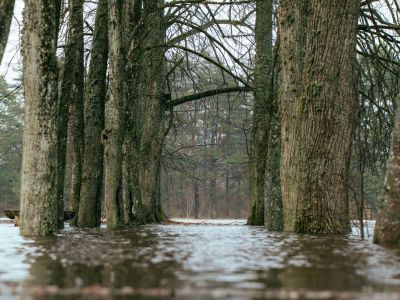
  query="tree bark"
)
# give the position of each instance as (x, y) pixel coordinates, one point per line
(71, 87)
(112, 135)
(6, 13)
(132, 68)
(196, 199)
(150, 113)
(76, 127)
(318, 102)
(273, 213)
(387, 228)
(92, 170)
(39, 162)
(262, 110)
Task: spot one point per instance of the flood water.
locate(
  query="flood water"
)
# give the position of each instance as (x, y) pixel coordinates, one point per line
(194, 262)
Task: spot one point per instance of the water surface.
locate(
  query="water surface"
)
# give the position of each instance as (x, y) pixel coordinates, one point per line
(194, 262)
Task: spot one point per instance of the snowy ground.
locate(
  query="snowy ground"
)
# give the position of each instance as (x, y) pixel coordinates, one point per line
(369, 225)
(208, 221)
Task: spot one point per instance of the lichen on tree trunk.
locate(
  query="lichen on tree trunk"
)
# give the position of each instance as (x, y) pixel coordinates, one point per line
(318, 101)
(39, 159)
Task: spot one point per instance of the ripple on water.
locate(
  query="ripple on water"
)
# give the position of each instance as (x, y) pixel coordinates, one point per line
(211, 257)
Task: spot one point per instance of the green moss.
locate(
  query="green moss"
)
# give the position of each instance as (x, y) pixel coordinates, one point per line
(316, 88)
(303, 101)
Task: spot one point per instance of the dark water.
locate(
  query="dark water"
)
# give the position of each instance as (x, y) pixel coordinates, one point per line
(194, 262)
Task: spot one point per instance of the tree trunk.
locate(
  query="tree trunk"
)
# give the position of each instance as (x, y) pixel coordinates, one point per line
(113, 134)
(132, 68)
(273, 198)
(150, 114)
(39, 162)
(387, 228)
(262, 110)
(196, 199)
(227, 192)
(212, 170)
(6, 13)
(71, 87)
(76, 126)
(318, 102)
(213, 196)
(95, 94)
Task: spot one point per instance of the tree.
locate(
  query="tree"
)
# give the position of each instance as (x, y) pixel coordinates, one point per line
(387, 228)
(318, 102)
(150, 109)
(95, 93)
(113, 134)
(6, 13)
(39, 158)
(71, 109)
(262, 112)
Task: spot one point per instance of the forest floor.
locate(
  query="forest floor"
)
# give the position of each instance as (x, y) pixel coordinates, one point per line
(215, 259)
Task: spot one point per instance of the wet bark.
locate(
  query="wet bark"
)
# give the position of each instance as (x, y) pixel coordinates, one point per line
(262, 110)
(387, 228)
(150, 114)
(132, 68)
(112, 135)
(318, 102)
(273, 213)
(39, 162)
(95, 94)
(76, 126)
(71, 87)
(6, 13)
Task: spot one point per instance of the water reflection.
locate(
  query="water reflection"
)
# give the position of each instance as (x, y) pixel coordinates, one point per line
(196, 262)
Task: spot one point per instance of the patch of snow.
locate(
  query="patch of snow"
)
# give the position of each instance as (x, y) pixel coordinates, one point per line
(209, 221)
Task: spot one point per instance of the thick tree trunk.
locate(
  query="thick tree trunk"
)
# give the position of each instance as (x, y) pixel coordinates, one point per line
(39, 162)
(95, 94)
(71, 87)
(113, 134)
(150, 114)
(132, 68)
(76, 126)
(262, 113)
(387, 228)
(318, 102)
(6, 13)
